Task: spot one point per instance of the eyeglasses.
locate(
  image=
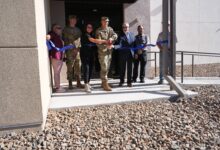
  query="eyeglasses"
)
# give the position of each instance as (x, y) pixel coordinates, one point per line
(125, 27)
(89, 27)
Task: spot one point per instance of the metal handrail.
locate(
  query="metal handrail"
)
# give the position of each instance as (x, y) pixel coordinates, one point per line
(199, 53)
(183, 53)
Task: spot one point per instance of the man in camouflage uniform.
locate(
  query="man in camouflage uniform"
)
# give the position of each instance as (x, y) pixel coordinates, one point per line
(105, 50)
(71, 36)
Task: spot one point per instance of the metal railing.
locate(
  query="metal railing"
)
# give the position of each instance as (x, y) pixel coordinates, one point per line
(155, 60)
(181, 61)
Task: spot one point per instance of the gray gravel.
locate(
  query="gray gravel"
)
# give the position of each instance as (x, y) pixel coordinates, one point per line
(192, 123)
(202, 70)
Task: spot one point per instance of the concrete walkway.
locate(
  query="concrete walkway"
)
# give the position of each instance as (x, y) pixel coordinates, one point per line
(139, 92)
(199, 81)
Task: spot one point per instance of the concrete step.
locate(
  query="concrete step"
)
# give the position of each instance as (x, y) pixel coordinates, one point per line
(139, 92)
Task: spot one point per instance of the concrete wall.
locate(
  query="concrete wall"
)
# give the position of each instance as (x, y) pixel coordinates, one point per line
(24, 77)
(138, 13)
(198, 27)
(41, 11)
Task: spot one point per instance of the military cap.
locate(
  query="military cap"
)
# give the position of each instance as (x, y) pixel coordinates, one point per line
(104, 18)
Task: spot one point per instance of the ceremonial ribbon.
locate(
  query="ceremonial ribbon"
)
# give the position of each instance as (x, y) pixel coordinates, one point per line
(51, 45)
(142, 46)
(91, 44)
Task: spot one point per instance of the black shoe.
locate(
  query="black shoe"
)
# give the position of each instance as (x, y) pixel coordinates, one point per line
(129, 84)
(161, 82)
(134, 80)
(70, 87)
(142, 81)
(121, 84)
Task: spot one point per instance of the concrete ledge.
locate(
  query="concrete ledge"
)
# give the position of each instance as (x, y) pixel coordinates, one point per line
(150, 91)
(198, 81)
(20, 128)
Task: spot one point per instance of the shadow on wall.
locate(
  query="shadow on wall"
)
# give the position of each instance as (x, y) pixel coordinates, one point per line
(156, 11)
(134, 22)
(218, 30)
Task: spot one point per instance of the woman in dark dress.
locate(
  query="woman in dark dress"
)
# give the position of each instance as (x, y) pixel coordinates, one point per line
(87, 54)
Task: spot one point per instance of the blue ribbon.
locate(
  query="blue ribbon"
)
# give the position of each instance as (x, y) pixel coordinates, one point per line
(51, 45)
(91, 44)
(162, 42)
(134, 49)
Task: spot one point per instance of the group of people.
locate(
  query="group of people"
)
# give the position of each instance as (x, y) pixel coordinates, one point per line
(104, 40)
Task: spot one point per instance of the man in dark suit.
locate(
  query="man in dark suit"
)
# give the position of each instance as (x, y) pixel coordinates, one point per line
(140, 55)
(126, 42)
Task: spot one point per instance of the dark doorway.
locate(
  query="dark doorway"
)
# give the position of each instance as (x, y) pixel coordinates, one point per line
(91, 12)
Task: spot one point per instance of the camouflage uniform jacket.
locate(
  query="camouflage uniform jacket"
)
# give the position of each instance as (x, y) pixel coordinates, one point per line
(105, 34)
(71, 35)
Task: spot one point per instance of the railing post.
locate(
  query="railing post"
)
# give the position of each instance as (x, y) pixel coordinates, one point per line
(192, 65)
(155, 63)
(181, 67)
(173, 37)
(165, 16)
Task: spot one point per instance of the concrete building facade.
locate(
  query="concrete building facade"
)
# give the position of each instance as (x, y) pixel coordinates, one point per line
(25, 89)
(197, 24)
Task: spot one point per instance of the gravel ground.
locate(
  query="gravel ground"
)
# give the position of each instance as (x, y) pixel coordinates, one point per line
(203, 70)
(192, 123)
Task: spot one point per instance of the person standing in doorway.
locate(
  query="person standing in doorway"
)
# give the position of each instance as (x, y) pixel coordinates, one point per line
(56, 56)
(161, 42)
(140, 55)
(87, 54)
(71, 36)
(105, 50)
(126, 42)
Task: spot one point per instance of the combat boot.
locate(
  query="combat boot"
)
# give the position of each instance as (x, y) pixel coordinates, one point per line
(78, 83)
(105, 86)
(102, 85)
(70, 85)
(109, 85)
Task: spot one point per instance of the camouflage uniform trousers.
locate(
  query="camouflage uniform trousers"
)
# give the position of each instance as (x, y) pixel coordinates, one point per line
(73, 64)
(105, 61)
